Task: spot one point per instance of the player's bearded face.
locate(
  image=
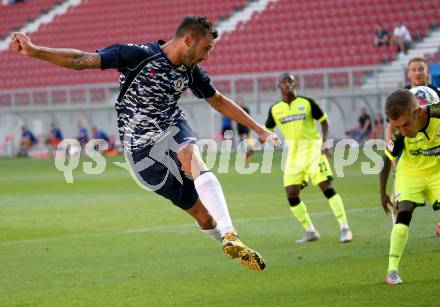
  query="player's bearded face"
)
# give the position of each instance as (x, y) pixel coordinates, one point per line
(198, 51)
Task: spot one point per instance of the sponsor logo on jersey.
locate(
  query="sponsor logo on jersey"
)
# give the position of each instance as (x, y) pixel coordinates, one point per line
(301, 107)
(434, 151)
(292, 118)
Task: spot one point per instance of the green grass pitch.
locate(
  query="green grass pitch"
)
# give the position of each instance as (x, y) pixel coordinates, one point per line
(103, 241)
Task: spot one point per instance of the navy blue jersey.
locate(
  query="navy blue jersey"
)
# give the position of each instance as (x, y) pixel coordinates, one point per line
(150, 89)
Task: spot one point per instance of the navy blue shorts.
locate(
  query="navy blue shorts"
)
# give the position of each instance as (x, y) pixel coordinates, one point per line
(157, 168)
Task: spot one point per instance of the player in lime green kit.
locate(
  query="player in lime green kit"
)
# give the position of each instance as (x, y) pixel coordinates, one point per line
(417, 142)
(295, 117)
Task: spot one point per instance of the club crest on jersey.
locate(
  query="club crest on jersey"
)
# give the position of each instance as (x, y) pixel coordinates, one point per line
(178, 84)
(301, 107)
(438, 133)
(152, 72)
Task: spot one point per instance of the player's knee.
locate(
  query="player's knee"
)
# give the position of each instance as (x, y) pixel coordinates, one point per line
(293, 191)
(294, 201)
(325, 185)
(404, 217)
(185, 157)
(329, 193)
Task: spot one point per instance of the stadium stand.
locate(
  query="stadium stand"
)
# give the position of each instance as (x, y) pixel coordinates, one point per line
(13, 16)
(288, 35)
(99, 23)
(317, 34)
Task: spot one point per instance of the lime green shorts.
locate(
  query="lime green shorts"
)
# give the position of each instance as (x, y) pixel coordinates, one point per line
(418, 189)
(318, 171)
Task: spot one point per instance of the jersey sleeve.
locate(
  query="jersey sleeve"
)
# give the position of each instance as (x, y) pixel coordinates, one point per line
(434, 110)
(395, 146)
(123, 57)
(270, 121)
(201, 85)
(317, 112)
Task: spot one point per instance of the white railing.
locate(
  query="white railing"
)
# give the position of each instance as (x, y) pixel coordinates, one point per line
(327, 81)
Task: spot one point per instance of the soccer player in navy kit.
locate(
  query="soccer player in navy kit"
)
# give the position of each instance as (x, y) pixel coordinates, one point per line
(159, 144)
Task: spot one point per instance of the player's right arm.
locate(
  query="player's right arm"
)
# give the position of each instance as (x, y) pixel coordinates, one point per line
(384, 174)
(67, 58)
(394, 149)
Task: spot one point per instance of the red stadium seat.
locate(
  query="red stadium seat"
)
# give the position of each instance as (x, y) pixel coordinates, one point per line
(287, 35)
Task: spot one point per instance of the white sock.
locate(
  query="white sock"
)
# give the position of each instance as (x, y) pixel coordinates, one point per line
(311, 228)
(211, 195)
(344, 225)
(213, 233)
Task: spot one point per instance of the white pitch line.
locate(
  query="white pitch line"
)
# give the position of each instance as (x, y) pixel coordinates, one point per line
(173, 228)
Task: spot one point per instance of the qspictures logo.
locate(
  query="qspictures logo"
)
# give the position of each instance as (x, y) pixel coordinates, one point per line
(218, 156)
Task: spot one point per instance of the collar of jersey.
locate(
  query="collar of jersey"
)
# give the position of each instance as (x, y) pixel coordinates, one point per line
(291, 102)
(160, 43)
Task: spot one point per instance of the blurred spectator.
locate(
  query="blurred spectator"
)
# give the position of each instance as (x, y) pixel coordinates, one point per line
(226, 125)
(27, 141)
(382, 37)
(363, 127)
(103, 137)
(243, 131)
(99, 134)
(402, 38)
(83, 135)
(378, 130)
(55, 137)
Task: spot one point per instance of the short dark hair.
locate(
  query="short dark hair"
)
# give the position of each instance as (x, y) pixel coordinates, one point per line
(285, 75)
(197, 26)
(418, 59)
(398, 102)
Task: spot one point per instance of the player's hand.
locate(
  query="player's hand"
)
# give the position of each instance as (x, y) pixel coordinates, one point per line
(20, 42)
(269, 137)
(386, 202)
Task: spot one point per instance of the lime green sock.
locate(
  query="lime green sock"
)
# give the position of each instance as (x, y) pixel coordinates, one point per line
(300, 213)
(399, 237)
(337, 207)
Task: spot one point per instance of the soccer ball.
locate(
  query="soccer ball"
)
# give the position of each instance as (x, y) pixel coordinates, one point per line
(425, 95)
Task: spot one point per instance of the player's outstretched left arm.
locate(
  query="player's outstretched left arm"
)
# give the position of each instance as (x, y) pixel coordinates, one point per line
(230, 109)
(67, 58)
